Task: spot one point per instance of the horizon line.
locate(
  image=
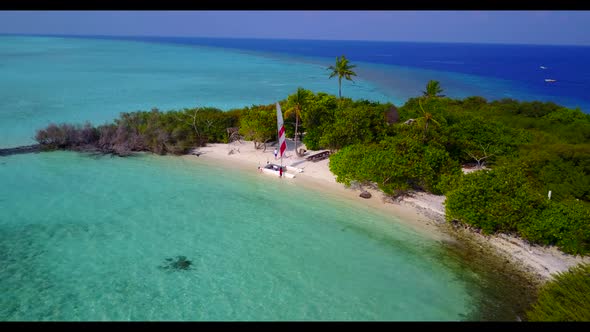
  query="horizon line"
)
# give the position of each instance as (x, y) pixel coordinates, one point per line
(286, 38)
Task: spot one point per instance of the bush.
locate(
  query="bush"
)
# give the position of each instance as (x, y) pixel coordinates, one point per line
(449, 182)
(398, 163)
(173, 132)
(564, 299)
(565, 224)
(493, 201)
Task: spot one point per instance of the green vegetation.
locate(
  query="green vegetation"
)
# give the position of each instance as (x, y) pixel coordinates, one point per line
(396, 164)
(566, 298)
(259, 124)
(500, 200)
(523, 150)
(342, 69)
(433, 89)
(174, 132)
(565, 224)
(295, 105)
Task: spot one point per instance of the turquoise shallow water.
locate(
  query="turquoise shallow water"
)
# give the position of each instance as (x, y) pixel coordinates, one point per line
(82, 238)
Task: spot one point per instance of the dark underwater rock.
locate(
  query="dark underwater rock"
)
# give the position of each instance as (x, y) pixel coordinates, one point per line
(178, 264)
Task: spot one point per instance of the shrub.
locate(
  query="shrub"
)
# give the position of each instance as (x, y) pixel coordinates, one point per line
(493, 201)
(565, 224)
(566, 298)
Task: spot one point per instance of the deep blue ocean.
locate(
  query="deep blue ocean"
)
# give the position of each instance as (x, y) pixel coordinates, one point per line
(524, 67)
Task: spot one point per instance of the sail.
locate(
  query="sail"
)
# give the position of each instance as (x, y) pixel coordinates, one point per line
(281, 130)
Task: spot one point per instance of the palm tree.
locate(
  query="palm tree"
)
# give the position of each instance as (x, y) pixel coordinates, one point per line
(433, 89)
(342, 69)
(296, 102)
(427, 118)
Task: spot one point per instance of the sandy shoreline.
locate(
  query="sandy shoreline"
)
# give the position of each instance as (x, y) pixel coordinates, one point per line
(423, 212)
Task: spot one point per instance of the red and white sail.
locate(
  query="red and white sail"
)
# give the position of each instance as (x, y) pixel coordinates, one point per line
(281, 129)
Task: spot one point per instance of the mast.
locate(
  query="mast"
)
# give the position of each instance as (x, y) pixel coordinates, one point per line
(281, 135)
(279, 139)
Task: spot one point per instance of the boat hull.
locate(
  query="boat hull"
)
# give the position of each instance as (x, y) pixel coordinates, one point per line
(276, 173)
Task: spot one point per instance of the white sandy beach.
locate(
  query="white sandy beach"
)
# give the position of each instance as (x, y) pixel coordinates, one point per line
(424, 212)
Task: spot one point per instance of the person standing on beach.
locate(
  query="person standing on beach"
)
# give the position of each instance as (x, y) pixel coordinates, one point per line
(276, 152)
(280, 172)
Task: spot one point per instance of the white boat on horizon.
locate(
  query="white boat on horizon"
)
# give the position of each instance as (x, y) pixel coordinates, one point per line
(543, 67)
(550, 80)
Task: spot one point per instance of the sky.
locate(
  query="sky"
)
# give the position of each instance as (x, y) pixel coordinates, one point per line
(511, 27)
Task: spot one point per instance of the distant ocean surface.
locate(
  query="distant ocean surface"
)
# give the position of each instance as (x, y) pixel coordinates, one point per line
(85, 238)
(518, 71)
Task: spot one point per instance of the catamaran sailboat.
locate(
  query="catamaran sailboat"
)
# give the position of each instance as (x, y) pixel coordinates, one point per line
(280, 170)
